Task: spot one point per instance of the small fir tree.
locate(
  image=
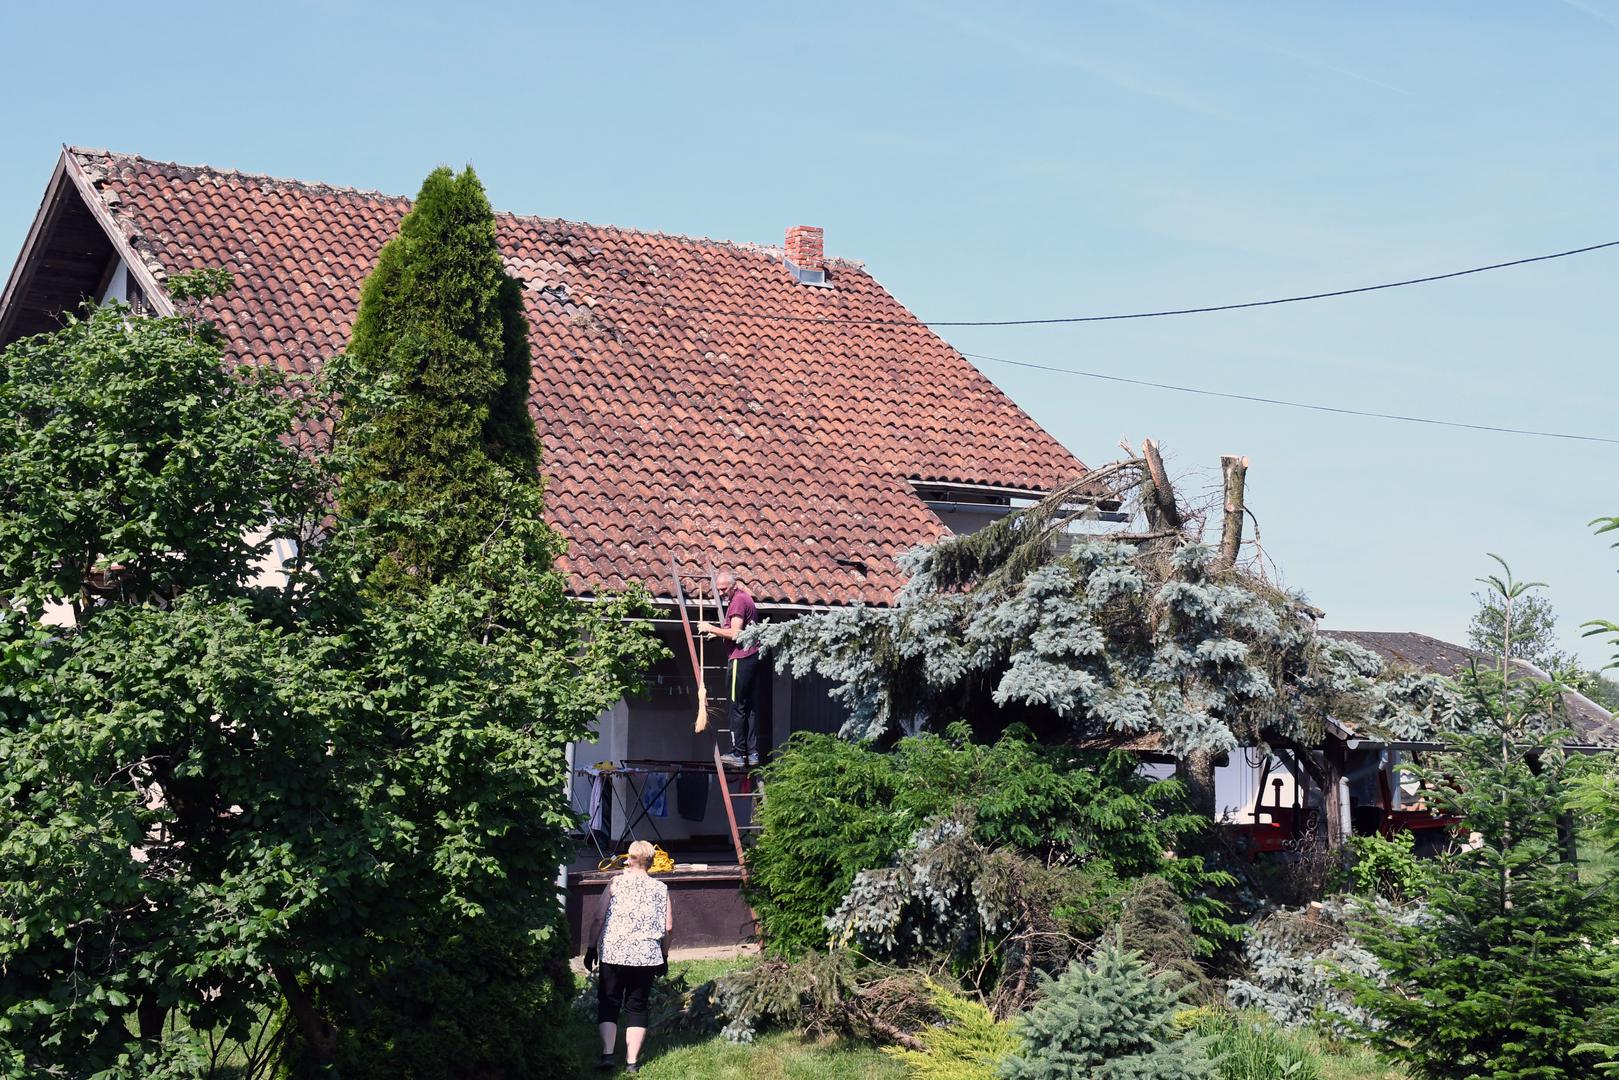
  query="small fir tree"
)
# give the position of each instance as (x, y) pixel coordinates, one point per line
(1510, 964)
(1109, 1018)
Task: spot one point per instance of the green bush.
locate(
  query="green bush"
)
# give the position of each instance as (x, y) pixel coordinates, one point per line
(476, 1006)
(1388, 868)
(1107, 1019)
(969, 1044)
(835, 808)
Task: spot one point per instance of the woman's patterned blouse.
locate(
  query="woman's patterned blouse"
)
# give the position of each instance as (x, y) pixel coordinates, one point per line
(637, 916)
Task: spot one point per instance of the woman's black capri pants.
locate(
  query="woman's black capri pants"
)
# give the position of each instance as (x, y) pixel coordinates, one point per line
(623, 988)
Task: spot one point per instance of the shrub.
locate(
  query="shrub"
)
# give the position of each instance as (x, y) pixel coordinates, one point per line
(969, 1044)
(837, 808)
(1388, 868)
(473, 1006)
(1296, 959)
(834, 809)
(821, 994)
(1154, 921)
(1109, 1019)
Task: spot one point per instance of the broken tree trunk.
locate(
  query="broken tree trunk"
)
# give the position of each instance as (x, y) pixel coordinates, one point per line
(1162, 494)
(1235, 470)
(1331, 782)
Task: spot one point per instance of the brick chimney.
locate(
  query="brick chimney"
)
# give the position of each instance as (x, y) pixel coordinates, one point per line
(805, 255)
(804, 247)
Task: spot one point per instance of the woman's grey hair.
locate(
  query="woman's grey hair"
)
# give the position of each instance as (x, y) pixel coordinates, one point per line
(641, 854)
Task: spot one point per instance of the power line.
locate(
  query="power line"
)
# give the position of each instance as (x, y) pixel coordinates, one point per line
(769, 317)
(1294, 404)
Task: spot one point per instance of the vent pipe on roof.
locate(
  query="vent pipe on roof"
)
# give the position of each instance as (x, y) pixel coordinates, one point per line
(805, 255)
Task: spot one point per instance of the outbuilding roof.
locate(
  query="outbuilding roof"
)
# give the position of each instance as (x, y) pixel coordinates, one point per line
(1590, 724)
(691, 401)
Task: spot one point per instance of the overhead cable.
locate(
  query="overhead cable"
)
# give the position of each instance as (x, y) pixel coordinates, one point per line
(1294, 404)
(1203, 310)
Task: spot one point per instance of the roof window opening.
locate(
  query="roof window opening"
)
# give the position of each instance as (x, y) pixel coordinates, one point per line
(805, 256)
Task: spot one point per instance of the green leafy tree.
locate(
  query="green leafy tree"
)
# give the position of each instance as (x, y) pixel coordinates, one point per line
(138, 465)
(1509, 965)
(332, 804)
(1532, 636)
(1521, 626)
(140, 479)
(1109, 1018)
(1596, 686)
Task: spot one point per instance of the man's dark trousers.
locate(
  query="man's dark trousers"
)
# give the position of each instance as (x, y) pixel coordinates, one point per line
(744, 712)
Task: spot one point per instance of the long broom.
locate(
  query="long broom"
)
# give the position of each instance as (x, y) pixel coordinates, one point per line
(702, 673)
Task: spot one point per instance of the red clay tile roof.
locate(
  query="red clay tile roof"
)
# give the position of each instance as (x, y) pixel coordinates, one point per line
(636, 386)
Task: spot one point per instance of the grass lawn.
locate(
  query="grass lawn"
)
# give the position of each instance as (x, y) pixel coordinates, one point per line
(787, 1056)
(1357, 1063)
(776, 1056)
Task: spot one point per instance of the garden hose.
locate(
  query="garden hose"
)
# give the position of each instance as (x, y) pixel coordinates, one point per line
(662, 863)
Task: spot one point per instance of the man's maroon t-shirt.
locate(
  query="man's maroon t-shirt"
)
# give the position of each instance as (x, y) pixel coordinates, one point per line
(742, 605)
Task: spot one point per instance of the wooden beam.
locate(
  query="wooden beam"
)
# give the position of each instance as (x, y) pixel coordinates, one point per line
(1334, 759)
(138, 268)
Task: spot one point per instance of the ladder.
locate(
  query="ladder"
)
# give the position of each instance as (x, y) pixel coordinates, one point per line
(750, 793)
(736, 786)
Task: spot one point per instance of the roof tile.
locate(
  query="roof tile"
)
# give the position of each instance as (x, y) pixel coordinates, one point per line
(676, 421)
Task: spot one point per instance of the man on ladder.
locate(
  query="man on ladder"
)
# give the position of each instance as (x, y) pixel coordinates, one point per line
(740, 614)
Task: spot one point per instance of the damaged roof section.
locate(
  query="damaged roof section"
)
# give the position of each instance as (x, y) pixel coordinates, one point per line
(690, 403)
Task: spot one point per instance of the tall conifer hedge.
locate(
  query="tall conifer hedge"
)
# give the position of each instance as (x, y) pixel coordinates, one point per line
(436, 419)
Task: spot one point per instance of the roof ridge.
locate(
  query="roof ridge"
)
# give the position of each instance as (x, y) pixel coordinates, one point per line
(752, 247)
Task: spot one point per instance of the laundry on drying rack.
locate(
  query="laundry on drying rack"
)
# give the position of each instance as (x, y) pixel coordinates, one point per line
(691, 794)
(655, 794)
(596, 803)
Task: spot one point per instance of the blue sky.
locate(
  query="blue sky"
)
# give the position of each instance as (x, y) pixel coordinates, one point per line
(1026, 161)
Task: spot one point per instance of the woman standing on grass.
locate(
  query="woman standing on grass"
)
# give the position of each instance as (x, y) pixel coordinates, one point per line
(634, 946)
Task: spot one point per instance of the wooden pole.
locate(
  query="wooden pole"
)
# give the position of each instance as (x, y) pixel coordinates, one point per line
(1235, 470)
